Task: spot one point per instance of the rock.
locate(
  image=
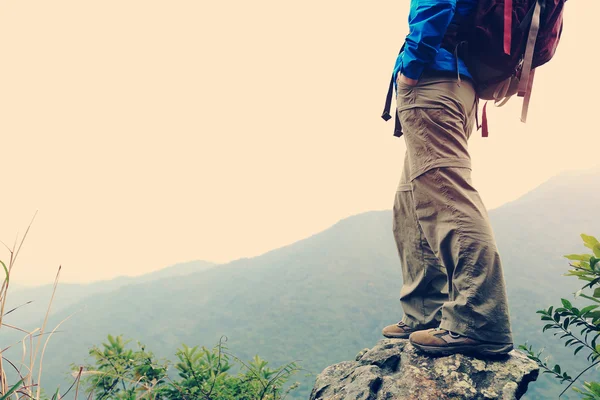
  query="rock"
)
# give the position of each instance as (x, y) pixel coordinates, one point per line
(393, 369)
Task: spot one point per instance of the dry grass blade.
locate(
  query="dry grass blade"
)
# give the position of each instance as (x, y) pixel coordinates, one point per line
(39, 341)
(44, 350)
(24, 237)
(18, 370)
(14, 327)
(17, 307)
(20, 341)
(6, 279)
(14, 252)
(78, 382)
(75, 384)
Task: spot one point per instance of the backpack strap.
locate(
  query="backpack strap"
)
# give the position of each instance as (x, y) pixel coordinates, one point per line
(484, 121)
(527, 97)
(508, 9)
(531, 39)
(388, 105)
(388, 101)
(387, 108)
(527, 73)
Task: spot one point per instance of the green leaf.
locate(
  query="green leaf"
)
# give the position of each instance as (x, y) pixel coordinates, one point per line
(585, 264)
(577, 349)
(567, 304)
(557, 369)
(575, 272)
(589, 241)
(556, 317)
(566, 323)
(577, 257)
(596, 292)
(593, 282)
(583, 278)
(548, 326)
(587, 309)
(56, 394)
(596, 250)
(593, 314)
(585, 296)
(583, 275)
(12, 389)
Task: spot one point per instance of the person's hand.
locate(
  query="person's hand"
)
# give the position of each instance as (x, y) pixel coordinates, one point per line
(407, 81)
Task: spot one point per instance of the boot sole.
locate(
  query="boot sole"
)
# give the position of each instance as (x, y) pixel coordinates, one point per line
(403, 336)
(481, 349)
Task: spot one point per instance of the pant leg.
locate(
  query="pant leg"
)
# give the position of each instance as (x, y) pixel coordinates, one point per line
(437, 118)
(424, 280)
(456, 225)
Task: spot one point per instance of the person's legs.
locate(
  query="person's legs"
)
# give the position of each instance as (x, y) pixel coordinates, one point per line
(437, 118)
(425, 283)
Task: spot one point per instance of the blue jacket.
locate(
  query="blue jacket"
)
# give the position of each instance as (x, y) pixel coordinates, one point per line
(428, 21)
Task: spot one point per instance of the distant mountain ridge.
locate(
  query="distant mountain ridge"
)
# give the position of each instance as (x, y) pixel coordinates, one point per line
(323, 298)
(70, 293)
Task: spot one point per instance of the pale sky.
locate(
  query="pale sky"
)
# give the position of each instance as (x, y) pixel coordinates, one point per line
(150, 132)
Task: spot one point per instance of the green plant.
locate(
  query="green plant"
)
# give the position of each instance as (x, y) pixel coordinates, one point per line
(565, 319)
(123, 373)
(119, 372)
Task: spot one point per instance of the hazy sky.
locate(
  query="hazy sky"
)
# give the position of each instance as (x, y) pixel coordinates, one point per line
(152, 132)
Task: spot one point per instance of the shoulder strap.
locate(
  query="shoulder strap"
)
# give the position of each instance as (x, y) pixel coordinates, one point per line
(508, 9)
(526, 81)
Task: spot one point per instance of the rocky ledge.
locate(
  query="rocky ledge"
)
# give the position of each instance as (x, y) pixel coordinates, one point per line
(393, 369)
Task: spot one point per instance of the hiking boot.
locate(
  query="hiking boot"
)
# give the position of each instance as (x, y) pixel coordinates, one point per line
(439, 341)
(398, 331)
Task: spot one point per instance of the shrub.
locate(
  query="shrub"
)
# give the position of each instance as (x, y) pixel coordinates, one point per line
(566, 318)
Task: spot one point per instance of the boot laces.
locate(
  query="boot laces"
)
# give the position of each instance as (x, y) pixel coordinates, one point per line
(452, 334)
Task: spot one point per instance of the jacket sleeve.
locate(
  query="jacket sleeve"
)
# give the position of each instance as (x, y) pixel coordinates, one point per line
(427, 23)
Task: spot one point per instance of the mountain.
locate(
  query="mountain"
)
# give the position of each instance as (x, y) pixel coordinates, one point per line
(69, 293)
(322, 299)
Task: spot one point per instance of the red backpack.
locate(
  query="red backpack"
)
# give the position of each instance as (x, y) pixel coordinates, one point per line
(502, 42)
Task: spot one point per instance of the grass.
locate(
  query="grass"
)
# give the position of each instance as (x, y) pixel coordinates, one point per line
(30, 367)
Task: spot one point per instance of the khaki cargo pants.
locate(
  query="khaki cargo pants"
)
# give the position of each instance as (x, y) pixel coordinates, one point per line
(451, 268)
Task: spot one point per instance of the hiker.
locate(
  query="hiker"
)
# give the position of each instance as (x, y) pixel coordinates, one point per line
(453, 294)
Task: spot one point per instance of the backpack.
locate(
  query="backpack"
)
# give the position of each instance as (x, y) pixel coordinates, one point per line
(501, 42)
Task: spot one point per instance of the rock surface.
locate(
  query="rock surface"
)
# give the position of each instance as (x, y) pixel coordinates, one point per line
(393, 369)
